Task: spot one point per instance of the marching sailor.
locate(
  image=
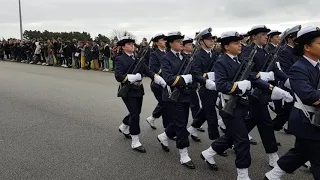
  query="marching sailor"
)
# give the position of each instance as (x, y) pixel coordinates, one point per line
(178, 110)
(155, 66)
(187, 51)
(273, 40)
(286, 59)
(204, 61)
(304, 120)
(124, 66)
(259, 113)
(225, 70)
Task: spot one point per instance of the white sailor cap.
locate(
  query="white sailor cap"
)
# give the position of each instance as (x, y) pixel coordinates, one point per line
(157, 37)
(307, 34)
(229, 36)
(187, 40)
(273, 33)
(124, 40)
(206, 33)
(174, 36)
(293, 31)
(258, 29)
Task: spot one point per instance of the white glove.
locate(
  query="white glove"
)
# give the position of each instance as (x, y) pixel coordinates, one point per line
(211, 76)
(278, 93)
(159, 80)
(210, 85)
(244, 86)
(287, 84)
(288, 98)
(187, 78)
(267, 76)
(134, 77)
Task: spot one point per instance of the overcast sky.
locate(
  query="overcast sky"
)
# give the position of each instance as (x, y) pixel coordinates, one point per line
(145, 18)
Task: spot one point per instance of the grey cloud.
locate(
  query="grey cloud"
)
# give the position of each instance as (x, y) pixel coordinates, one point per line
(148, 17)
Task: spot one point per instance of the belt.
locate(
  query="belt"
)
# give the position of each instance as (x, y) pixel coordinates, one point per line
(305, 107)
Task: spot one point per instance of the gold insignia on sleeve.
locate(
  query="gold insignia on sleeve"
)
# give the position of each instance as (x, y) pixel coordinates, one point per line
(234, 87)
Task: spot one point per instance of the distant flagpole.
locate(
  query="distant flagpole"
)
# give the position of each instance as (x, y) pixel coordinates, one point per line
(21, 34)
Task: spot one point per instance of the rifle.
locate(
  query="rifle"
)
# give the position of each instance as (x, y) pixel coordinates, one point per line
(174, 96)
(133, 69)
(270, 62)
(242, 74)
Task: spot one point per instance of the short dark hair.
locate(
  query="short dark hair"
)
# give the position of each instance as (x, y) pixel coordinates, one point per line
(299, 47)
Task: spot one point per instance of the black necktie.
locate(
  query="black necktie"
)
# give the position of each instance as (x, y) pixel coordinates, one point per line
(178, 55)
(210, 54)
(236, 59)
(132, 57)
(318, 66)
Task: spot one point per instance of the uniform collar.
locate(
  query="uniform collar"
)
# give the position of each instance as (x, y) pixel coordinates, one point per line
(273, 45)
(162, 50)
(174, 52)
(208, 51)
(314, 63)
(129, 54)
(290, 46)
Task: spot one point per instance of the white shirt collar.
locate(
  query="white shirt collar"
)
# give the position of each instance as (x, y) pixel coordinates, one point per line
(208, 51)
(174, 52)
(290, 46)
(162, 50)
(314, 63)
(187, 52)
(274, 45)
(231, 56)
(129, 54)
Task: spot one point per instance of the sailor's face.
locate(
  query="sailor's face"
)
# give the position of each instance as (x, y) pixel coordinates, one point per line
(161, 43)
(314, 48)
(234, 47)
(188, 47)
(177, 45)
(209, 42)
(275, 39)
(128, 47)
(264, 39)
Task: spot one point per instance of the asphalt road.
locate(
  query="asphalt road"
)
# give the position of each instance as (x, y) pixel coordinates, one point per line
(58, 123)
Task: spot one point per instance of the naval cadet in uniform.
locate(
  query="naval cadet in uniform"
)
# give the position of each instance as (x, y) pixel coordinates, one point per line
(258, 112)
(204, 61)
(304, 121)
(124, 66)
(286, 59)
(225, 70)
(171, 63)
(155, 66)
(187, 51)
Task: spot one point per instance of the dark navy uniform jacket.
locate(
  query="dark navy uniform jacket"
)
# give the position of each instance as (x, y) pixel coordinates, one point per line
(225, 70)
(287, 58)
(122, 64)
(270, 48)
(259, 60)
(304, 79)
(203, 64)
(154, 61)
(170, 65)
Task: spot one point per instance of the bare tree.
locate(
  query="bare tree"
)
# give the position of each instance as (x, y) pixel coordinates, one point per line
(117, 34)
